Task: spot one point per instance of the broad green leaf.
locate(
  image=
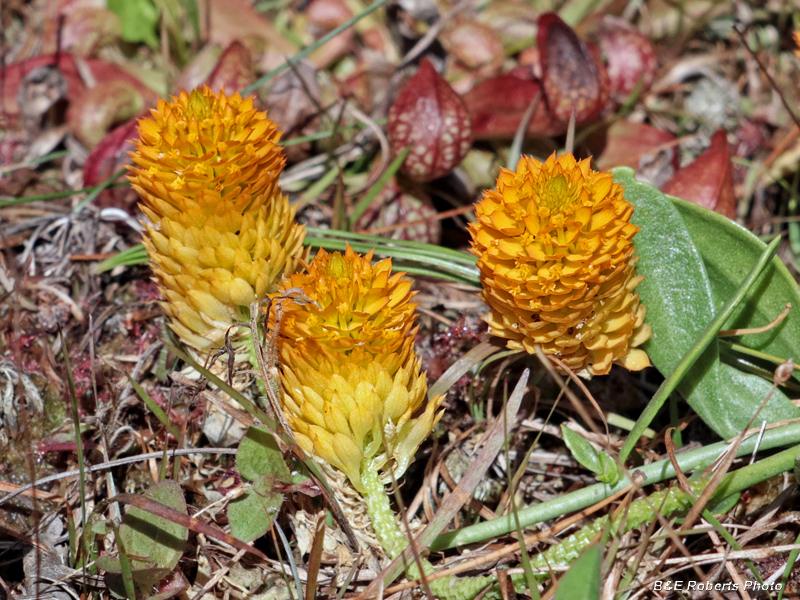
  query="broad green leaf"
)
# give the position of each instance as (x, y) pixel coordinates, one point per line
(258, 455)
(154, 545)
(260, 461)
(685, 251)
(139, 20)
(675, 290)
(251, 514)
(582, 581)
(727, 258)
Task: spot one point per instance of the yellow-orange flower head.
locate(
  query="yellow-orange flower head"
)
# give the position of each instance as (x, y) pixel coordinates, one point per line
(220, 233)
(554, 244)
(353, 392)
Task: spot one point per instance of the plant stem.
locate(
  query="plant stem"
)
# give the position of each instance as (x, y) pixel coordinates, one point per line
(384, 522)
(580, 499)
(380, 512)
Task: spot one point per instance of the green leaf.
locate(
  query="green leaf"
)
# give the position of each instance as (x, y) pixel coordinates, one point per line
(153, 544)
(260, 461)
(258, 455)
(582, 581)
(727, 258)
(677, 255)
(251, 514)
(139, 20)
(598, 463)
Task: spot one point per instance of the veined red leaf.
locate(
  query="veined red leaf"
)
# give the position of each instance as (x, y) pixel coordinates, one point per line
(572, 78)
(430, 117)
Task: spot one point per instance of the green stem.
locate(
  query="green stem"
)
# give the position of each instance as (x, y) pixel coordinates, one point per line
(666, 503)
(578, 500)
(249, 341)
(380, 512)
(384, 522)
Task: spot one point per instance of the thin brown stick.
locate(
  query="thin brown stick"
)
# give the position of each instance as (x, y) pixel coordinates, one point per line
(772, 324)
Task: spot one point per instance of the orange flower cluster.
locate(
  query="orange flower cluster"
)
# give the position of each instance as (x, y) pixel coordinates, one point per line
(554, 244)
(354, 393)
(220, 234)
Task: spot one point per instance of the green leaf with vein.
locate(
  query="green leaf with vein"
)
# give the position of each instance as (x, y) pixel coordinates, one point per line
(153, 544)
(679, 245)
(259, 460)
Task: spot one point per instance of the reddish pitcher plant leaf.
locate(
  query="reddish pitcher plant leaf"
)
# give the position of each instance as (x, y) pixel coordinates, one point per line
(474, 44)
(100, 70)
(572, 77)
(630, 57)
(234, 70)
(108, 157)
(497, 106)
(395, 206)
(429, 117)
(708, 180)
(629, 143)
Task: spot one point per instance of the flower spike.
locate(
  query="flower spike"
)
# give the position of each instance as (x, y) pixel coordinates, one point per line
(220, 233)
(554, 244)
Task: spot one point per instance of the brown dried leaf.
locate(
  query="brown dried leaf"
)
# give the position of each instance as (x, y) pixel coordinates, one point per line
(101, 71)
(323, 16)
(233, 20)
(293, 103)
(199, 69)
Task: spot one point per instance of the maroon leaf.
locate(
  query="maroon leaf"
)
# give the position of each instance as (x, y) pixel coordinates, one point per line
(708, 180)
(630, 57)
(100, 70)
(108, 157)
(429, 117)
(628, 142)
(497, 106)
(101, 108)
(232, 20)
(571, 76)
(234, 70)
